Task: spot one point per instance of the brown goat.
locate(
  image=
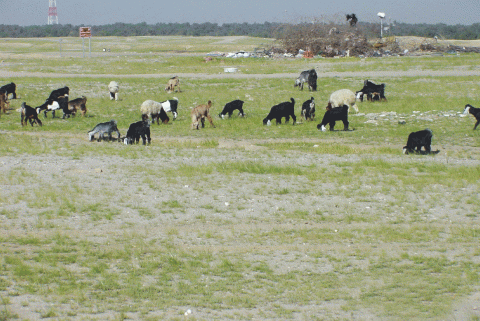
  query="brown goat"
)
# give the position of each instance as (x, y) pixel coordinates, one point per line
(4, 103)
(78, 104)
(199, 114)
(172, 83)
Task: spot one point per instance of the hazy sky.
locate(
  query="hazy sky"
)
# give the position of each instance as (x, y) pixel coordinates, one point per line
(98, 12)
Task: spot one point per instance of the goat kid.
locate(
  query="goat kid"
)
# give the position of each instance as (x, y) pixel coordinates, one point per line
(373, 92)
(30, 114)
(285, 109)
(474, 111)
(230, 107)
(172, 83)
(137, 130)
(113, 90)
(9, 89)
(332, 115)
(417, 140)
(53, 105)
(308, 109)
(309, 77)
(4, 103)
(199, 114)
(104, 128)
(60, 92)
(74, 105)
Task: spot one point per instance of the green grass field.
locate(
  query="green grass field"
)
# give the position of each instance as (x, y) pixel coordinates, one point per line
(242, 221)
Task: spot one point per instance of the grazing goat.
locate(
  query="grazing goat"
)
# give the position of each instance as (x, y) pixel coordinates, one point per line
(60, 92)
(308, 109)
(30, 114)
(230, 107)
(172, 83)
(137, 130)
(113, 89)
(309, 77)
(53, 105)
(199, 114)
(104, 128)
(154, 109)
(342, 97)
(171, 105)
(418, 139)
(9, 89)
(474, 111)
(74, 105)
(373, 91)
(332, 115)
(352, 18)
(285, 109)
(4, 103)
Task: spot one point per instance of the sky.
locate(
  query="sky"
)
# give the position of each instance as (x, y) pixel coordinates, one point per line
(100, 12)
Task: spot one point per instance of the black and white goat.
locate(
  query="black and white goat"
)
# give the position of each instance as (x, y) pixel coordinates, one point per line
(53, 105)
(474, 111)
(137, 130)
(417, 140)
(332, 115)
(104, 128)
(171, 105)
(308, 109)
(230, 107)
(60, 92)
(285, 109)
(309, 77)
(30, 114)
(9, 89)
(373, 91)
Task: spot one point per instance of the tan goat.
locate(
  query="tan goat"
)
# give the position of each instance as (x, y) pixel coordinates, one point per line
(199, 114)
(4, 103)
(172, 83)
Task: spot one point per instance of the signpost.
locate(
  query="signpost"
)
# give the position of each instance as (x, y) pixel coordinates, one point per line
(86, 32)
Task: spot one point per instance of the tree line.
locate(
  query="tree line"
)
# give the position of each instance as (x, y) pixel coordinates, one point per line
(265, 30)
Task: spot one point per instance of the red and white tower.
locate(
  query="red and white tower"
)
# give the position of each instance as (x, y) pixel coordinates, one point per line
(52, 12)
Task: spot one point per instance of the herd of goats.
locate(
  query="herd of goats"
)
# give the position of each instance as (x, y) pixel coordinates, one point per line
(338, 106)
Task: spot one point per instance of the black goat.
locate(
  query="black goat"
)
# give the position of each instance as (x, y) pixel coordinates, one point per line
(137, 130)
(309, 77)
(230, 107)
(332, 115)
(30, 114)
(308, 109)
(373, 91)
(474, 111)
(285, 109)
(418, 139)
(9, 89)
(60, 92)
(104, 128)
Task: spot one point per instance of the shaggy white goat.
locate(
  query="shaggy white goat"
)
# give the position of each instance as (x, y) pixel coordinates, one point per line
(153, 109)
(113, 88)
(343, 97)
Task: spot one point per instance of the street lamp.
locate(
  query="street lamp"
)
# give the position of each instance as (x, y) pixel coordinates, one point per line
(382, 16)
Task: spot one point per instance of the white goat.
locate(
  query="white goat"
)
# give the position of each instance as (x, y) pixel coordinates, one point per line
(153, 109)
(113, 89)
(343, 97)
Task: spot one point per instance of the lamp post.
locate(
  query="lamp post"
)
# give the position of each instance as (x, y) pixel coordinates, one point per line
(381, 15)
